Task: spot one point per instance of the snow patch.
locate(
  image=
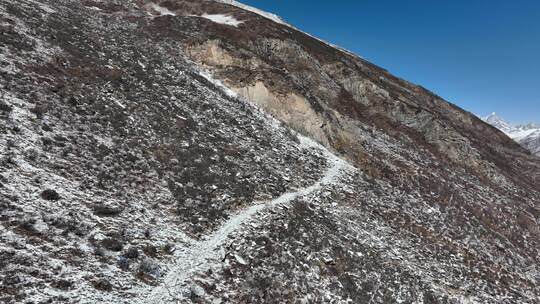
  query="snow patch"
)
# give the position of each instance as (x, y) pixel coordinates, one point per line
(142, 65)
(223, 19)
(278, 19)
(119, 104)
(218, 84)
(163, 11)
(257, 11)
(46, 8)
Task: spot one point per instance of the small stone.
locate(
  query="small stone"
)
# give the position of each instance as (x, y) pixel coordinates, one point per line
(50, 195)
(62, 284)
(5, 107)
(112, 244)
(132, 253)
(241, 260)
(197, 291)
(328, 260)
(102, 284)
(123, 263)
(106, 210)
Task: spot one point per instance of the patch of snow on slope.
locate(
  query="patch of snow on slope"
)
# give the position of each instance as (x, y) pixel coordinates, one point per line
(44, 7)
(223, 19)
(218, 84)
(278, 19)
(163, 11)
(257, 11)
(119, 104)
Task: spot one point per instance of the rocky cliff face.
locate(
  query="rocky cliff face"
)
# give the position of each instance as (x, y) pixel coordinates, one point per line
(527, 135)
(166, 151)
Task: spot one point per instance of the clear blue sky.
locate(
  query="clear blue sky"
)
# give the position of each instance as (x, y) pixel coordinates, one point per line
(483, 55)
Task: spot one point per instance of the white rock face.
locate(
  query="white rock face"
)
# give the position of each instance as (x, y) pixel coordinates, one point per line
(527, 135)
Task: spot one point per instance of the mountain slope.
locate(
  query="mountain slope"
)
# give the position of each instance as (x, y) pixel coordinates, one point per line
(526, 135)
(129, 174)
(324, 92)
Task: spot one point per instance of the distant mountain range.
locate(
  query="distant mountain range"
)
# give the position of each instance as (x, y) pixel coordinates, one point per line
(527, 135)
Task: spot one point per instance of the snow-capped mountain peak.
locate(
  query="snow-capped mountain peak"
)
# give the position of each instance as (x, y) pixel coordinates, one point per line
(527, 135)
(499, 123)
(529, 126)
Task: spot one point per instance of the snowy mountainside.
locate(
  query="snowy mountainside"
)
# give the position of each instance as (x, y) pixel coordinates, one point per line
(149, 154)
(499, 123)
(257, 11)
(527, 135)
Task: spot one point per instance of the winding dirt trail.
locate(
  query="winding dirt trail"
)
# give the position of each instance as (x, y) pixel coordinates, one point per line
(204, 254)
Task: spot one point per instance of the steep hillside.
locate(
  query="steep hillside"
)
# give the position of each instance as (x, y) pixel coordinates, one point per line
(325, 92)
(207, 152)
(527, 135)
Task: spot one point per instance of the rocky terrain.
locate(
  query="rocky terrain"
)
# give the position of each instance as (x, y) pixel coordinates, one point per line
(208, 152)
(527, 135)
